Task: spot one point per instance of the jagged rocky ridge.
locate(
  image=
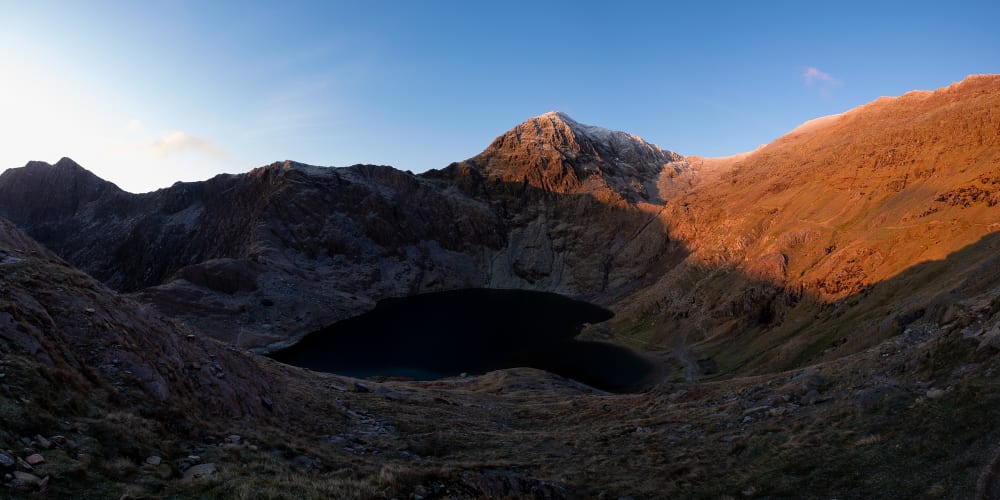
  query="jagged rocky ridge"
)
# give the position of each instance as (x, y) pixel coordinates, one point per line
(264, 257)
(861, 252)
(687, 251)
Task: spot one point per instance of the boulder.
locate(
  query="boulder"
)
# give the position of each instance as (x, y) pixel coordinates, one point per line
(25, 481)
(199, 471)
(7, 461)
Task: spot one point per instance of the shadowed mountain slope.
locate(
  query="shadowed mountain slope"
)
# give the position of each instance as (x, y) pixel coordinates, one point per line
(313, 245)
(842, 281)
(119, 402)
(684, 250)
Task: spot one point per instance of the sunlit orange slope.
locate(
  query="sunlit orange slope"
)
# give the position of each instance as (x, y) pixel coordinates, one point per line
(828, 211)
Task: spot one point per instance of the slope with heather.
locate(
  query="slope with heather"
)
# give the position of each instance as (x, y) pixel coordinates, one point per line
(728, 258)
(794, 247)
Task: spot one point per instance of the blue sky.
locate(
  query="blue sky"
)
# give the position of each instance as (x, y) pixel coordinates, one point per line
(145, 93)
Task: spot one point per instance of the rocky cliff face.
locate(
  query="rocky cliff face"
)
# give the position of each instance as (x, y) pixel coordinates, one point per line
(265, 257)
(687, 251)
(577, 205)
(850, 266)
(555, 154)
(114, 349)
(283, 248)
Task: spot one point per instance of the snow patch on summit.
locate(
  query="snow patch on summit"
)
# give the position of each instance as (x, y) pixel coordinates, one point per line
(599, 134)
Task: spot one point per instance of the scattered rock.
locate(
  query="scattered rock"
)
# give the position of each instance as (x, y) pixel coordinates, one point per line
(935, 393)
(233, 439)
(59, 440)
(757, 409)
(810, 398)
(7, 461)
(882, 396)
(419, 492)
(90, 310)
(199, 471)
(807, 381)
(25, 481)
(781, 410)
(34, 459)
(43, 442)
(508, 484)
(153, 460)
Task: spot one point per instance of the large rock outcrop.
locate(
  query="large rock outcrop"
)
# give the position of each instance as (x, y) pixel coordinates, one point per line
(115, 350)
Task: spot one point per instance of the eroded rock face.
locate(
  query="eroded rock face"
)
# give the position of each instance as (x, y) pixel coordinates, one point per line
(316, 244)
(557, 154)
(260, 259)
(114, 349)
(683, 249)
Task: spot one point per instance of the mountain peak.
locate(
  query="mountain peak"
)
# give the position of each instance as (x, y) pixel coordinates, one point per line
(43, 188)
(557, 115)
(591, 131)
(554, 152)
(67, 162)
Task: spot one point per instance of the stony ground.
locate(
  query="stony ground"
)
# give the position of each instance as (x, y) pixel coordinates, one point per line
(839, 346)
(912, 417)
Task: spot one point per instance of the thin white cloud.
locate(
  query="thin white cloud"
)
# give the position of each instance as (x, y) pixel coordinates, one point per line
(135, 126)
(821, 80)
(812, 75)
(179, 141)
(140, 162)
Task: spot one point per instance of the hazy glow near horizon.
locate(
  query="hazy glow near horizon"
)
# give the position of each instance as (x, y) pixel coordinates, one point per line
(148, 93)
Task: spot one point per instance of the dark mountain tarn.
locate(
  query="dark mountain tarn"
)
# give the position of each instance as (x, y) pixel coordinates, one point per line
(444, 334)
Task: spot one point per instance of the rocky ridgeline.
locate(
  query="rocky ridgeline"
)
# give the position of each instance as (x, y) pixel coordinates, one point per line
(684, 250)
(262, 258)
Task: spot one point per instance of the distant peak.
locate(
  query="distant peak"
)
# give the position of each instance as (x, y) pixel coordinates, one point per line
(67, 162)
(37, 164)
(587, 132)
(553, 142)
(558, 115)
(64, 162)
